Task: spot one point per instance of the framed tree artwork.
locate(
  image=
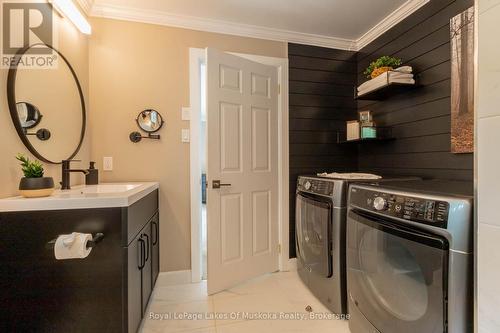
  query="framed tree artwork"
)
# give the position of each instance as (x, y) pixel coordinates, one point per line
(462, 82)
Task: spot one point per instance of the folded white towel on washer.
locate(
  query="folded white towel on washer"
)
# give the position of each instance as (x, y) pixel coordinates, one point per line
(352, 175)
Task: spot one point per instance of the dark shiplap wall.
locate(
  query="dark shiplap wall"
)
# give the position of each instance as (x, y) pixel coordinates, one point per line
(421, 117)
(321, 100)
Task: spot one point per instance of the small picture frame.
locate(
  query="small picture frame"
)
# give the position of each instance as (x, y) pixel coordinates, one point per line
(365, 116)
(353, 132)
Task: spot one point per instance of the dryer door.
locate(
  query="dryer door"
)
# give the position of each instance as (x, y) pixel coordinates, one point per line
(397, 276)
(313, 225)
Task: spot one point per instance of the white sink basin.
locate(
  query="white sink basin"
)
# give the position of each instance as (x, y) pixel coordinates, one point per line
(108, 188)
(80, 197)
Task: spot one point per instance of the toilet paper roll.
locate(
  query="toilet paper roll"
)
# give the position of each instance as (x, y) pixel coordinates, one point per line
(72, 246)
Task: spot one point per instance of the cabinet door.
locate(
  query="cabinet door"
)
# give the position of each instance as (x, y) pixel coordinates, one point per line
(136, 255)
(146, 270)
(155, 249)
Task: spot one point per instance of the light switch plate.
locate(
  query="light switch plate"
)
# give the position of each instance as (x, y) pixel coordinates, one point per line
(107, 163)
(186, 113)
(185, 135)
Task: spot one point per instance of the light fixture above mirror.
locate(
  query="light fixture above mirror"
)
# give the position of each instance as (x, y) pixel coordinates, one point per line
(68, 9)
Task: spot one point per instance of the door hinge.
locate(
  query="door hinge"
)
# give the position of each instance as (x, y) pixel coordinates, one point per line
(279, 89)
(279, 248)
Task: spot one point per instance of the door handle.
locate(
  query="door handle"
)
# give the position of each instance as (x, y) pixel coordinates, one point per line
(218, 184)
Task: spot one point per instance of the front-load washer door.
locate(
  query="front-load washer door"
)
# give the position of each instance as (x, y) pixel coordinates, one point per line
(396, 276)
(313, 225)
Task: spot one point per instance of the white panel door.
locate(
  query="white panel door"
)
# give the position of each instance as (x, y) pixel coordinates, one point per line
(242, 134)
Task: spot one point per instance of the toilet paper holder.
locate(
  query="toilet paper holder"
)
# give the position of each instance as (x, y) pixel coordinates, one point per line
(97, 238)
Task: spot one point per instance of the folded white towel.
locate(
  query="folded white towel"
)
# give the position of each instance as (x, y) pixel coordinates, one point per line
(397, 75)
(383, 79)
(371, 88)
(404, 69)
(353, 175)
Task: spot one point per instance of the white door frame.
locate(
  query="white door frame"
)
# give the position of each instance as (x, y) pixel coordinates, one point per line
(197, 57)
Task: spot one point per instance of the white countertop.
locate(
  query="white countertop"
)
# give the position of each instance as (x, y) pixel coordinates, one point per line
(93, 196)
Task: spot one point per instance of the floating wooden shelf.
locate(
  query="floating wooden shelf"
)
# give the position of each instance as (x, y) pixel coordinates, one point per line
(366, 140)
(384, 132)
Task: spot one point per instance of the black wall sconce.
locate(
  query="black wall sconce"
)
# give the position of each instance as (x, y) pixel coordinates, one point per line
(150, 121)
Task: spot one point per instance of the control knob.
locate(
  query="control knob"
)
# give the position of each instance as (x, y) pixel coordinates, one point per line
(307, 185)
(379, 203)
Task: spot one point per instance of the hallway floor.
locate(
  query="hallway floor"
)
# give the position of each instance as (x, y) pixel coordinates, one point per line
(240, 309)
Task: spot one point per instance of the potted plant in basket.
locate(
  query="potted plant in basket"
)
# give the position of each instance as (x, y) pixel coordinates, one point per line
(34, 184)
(382, 65)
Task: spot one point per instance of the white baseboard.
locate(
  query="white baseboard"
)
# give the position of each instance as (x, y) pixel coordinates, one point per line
(173, 278)
(292, 264)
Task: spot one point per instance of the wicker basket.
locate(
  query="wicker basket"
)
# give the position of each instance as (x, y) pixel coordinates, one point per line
(379, 71)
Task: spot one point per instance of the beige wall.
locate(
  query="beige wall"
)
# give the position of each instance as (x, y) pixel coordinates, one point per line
(74, 46)
(134, 66)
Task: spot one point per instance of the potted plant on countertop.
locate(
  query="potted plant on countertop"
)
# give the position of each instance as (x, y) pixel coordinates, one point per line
(382, 65)
(34, 184)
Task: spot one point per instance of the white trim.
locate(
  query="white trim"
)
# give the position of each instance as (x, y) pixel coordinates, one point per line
(86, 5)
(405, 10)
(197, 56)
(231, 28)
(292, 264)
(217, 26)
(173, 278)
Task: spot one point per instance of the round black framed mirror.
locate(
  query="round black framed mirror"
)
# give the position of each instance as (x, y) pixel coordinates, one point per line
(50, 97)
(150, 121)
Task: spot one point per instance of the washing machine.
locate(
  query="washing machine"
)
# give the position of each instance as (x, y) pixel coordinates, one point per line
(410, 257)
(321, 208)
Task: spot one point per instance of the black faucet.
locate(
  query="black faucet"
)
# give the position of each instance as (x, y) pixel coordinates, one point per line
(65, 179)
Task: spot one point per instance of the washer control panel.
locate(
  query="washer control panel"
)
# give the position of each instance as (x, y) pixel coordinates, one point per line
(422, 210)
(316, 186)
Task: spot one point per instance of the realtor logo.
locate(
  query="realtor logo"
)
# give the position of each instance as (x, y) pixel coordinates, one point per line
(27, 25)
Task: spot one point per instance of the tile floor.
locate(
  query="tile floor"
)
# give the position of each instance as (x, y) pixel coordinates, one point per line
(277, 294)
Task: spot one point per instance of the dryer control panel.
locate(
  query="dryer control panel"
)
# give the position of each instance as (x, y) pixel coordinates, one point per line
(432, 212)
(315, 186)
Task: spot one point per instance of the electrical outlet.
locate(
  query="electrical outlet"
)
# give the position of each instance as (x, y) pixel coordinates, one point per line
(185, 135)
(186, 113)
(107, 163)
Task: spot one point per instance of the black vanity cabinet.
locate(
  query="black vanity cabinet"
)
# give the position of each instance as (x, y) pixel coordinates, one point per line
(135, 255)
(155, 250)
(140, 276)
(147, 268)
(139, 254)
(108, 291)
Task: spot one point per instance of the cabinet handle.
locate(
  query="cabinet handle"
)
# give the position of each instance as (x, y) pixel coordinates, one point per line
(142, 262)
(147, 251)
(155, 239)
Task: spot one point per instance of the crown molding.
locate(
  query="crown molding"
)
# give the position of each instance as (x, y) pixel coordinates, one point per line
(231, 28)
(86, 5)
(405, 10)
(223, 27)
